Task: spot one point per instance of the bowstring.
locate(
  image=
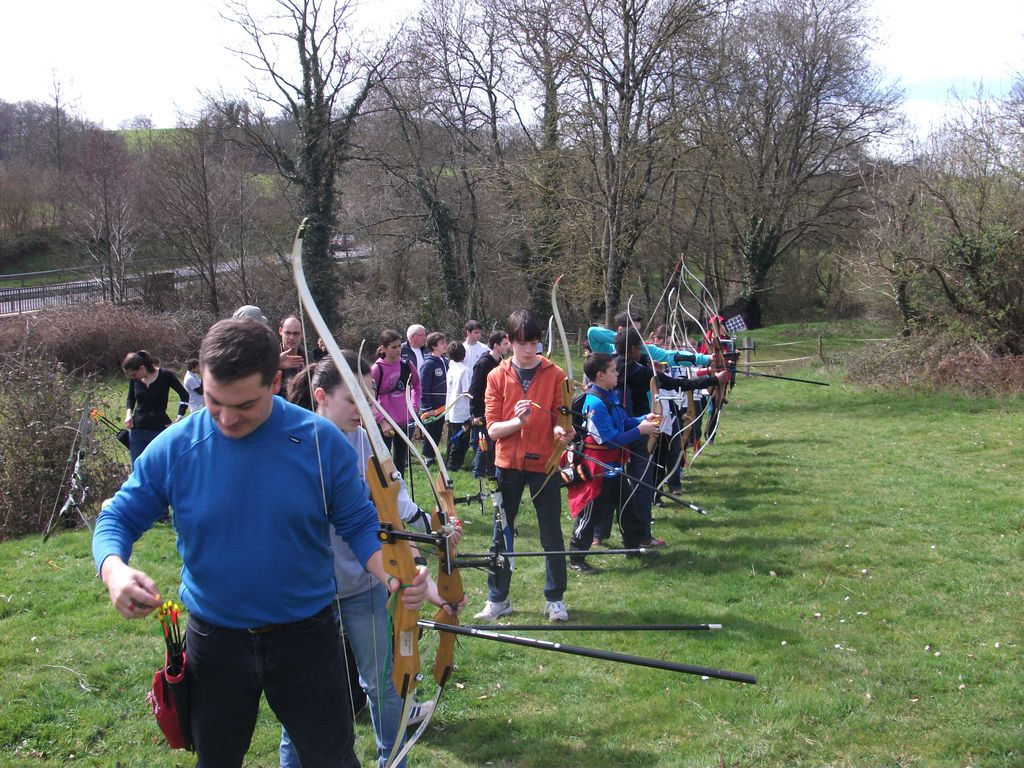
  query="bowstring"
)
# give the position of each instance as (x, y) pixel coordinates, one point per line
(712, 310)
(307, 371)
(625, 378)
(675, 306)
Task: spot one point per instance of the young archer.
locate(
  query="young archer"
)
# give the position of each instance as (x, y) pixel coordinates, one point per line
(522, 397)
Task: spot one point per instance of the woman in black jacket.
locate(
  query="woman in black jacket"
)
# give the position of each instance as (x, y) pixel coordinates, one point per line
(149, 389)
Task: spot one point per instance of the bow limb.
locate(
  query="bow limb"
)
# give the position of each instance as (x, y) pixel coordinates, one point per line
(449, 579)
(383, 479)
(400, 432)
(445, 513)
(449, 586)
(625, 378)
(683, 434)
(673, 317)
(691, 416)
(657, 409)
(561, 330)
(718, 362)
(716, 396)
(402, 435)
(685, 311)
(710, 309)
(563, 419)
(666, 291)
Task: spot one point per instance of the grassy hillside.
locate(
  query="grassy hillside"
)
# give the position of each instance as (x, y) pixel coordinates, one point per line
(38, 250)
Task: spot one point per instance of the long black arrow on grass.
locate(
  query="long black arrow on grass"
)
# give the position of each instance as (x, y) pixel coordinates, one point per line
(783, 378)
(593, 653)
(594, 627)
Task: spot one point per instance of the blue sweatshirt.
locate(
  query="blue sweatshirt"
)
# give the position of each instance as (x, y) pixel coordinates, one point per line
(434, 380)
(609, 426)
(249, 514)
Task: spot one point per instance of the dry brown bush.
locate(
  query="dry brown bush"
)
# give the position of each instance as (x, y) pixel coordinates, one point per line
(937, 363)
(95, 338)
(39, 420)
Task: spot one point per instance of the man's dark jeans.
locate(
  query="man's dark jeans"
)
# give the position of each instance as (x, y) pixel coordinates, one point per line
(548, 503)
(635, 517)
(298, 666)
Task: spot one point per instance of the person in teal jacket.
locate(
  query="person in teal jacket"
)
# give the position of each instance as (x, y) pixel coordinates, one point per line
(602, 340)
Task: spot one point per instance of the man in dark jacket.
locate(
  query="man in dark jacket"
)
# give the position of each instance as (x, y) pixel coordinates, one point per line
(415, 348)
(433, 380)
(483, 460)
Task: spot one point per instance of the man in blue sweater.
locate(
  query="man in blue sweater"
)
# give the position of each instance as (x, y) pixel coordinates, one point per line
(254, 483)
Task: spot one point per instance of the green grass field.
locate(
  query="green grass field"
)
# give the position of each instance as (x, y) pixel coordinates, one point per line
(862, 550)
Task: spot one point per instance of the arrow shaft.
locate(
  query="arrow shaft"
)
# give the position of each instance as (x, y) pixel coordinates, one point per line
(593, 653)
(587, 552)
(596, 627)
(785, 378)
(654, 488)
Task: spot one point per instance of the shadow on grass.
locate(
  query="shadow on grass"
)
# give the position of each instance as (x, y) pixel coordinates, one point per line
(874, 404)
(724, 520)
(742, 492)
(754, 443)
(504, 741)
(735, 555)
(481, 743)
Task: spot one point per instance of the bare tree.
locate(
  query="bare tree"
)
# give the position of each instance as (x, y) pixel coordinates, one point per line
(618, 114)
(445, 142)
(199, 199)
(58, 142)
(789, 121)
(20, 199)
(886, 259)
(105, 217)
(536, 32)
(321, 98)
(973, 185)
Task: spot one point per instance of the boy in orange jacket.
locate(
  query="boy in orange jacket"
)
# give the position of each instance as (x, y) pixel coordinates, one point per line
(522, 399)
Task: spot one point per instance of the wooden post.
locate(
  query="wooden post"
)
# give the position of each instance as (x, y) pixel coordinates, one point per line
(748, 348)
(820, 350)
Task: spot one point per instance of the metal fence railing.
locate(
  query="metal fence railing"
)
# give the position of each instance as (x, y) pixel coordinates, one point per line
(17, 300)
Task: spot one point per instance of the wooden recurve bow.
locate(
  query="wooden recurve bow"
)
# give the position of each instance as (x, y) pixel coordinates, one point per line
(383, 479)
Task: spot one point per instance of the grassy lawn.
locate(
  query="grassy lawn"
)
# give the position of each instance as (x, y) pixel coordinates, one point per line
(862, 551)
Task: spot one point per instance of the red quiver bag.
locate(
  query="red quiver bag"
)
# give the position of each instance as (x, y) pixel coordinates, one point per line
(587, 486)
(170, 702)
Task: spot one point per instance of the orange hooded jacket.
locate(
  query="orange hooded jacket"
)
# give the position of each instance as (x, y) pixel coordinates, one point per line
(529, 448)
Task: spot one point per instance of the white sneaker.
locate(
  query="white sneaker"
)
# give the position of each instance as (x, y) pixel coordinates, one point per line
(494, 610)
(420, 711)
(555, 611)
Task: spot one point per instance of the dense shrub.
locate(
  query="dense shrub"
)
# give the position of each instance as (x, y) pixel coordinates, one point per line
(39, 436)
(937, 363)
(95, 338)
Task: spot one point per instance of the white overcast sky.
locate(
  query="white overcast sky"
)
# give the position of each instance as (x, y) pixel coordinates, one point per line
(116, 59)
